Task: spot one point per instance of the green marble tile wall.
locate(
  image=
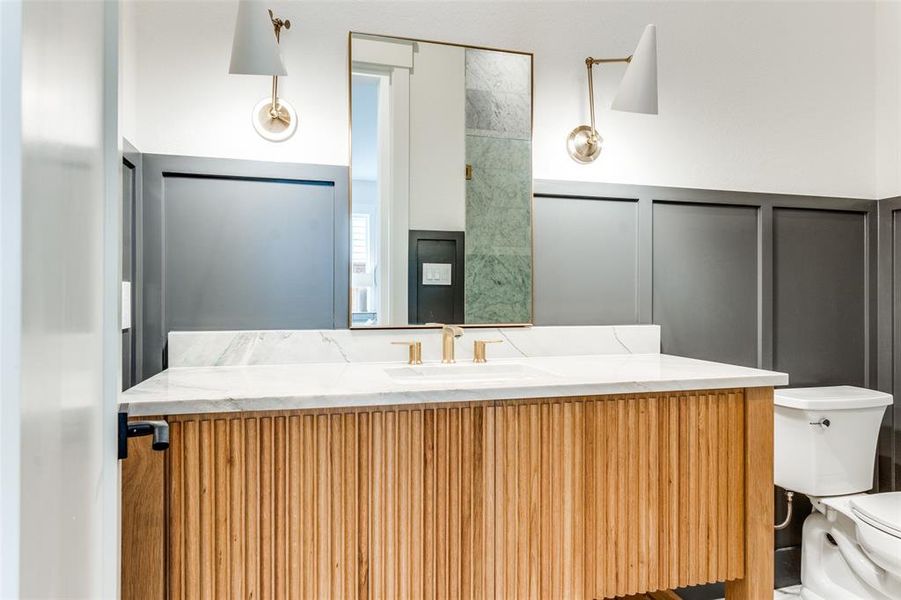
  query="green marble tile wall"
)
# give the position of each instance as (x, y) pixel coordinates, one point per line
(498, 284)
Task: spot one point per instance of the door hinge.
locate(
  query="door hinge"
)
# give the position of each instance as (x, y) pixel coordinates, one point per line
(129, 429)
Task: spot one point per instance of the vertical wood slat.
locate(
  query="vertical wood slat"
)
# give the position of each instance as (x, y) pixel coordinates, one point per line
(266, 500)
(193, 499)
(577, 497)
(176, 531)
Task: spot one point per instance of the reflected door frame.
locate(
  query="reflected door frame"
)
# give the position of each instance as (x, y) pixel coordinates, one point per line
(393, 174)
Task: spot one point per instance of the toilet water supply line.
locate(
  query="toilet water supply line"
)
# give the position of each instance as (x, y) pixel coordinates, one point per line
(789, 497)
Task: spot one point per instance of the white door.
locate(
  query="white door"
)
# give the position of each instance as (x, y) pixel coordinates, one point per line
(61, 365)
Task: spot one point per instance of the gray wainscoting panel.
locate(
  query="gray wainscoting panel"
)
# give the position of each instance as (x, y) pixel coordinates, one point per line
(132, 162)
(895, 411)
(586, 261)
(820, 296)
(889, 333)
(242, 253)
(705, 292)
(129, 205)
(234, 244)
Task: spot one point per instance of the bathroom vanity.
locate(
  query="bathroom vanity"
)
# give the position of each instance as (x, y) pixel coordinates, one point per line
(575, 463)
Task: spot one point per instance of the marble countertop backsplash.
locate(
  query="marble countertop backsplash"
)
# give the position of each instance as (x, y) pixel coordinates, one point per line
(275, 347)
(289, 370)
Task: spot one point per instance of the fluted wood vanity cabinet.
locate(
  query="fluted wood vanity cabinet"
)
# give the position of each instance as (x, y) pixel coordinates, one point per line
(587, 497)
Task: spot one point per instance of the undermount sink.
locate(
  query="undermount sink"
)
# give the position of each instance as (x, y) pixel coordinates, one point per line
(456, 373)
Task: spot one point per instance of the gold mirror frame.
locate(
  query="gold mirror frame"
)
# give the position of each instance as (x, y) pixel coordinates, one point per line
(531, 56)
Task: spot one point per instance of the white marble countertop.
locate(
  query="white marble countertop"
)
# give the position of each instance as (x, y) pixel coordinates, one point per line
(190, 390)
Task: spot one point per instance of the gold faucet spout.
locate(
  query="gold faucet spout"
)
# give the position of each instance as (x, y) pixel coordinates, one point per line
(448, 334)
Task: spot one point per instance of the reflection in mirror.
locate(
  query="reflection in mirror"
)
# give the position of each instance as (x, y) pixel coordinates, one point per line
(441, 163)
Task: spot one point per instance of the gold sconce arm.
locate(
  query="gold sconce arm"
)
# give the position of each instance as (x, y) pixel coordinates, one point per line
(274, 110)
(589, 63)
(584, 142)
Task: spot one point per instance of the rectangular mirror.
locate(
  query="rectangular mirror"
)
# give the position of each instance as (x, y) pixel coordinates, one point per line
(441, 183)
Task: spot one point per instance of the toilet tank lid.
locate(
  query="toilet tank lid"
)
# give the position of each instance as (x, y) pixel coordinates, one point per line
(836, 397)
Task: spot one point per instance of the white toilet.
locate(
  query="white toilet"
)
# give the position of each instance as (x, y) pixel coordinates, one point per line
(825, 447)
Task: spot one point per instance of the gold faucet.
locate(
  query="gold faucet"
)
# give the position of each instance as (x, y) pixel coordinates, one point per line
(448, 334)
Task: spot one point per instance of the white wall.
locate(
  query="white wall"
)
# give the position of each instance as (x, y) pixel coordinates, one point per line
(10, 291)
(70, 251)
(888, 99)
(438, 138)
(128, 60)
(766, 96)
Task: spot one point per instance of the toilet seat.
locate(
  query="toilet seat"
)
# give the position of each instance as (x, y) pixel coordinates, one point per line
(882, 511)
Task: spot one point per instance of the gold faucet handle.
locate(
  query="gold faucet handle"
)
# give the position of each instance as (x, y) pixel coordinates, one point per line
(479, 353)
(414, 351)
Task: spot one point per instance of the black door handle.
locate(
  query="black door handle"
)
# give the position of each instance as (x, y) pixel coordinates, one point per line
(129, 429)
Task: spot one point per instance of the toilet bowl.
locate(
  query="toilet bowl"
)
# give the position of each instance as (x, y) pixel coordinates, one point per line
(845, 556)
(825, 445)
(878, 519)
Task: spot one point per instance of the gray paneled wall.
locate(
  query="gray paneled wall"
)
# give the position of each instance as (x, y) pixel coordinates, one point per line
(889, 263)
(758, 279)
(241, 253)
(705, 272)
(774, 281)
(895, 466)
(587, 269)
(820, 296)
(233, 244)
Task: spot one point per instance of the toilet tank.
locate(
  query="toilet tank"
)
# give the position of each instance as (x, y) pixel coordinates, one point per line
(825, 438)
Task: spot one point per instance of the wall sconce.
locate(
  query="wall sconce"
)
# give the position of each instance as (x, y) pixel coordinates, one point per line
(637, 93)
(255, 51)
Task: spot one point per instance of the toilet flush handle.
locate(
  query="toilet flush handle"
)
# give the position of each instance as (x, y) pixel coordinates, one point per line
(824, 423)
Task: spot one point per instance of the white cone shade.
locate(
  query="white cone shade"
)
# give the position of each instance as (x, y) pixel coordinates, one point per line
(254, 49)
(638, 90)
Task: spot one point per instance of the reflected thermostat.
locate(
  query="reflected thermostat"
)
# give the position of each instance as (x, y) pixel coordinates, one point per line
(436, 273)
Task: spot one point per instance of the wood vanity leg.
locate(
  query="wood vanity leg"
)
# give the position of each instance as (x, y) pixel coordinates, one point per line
(143, 572)
(758, 535)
